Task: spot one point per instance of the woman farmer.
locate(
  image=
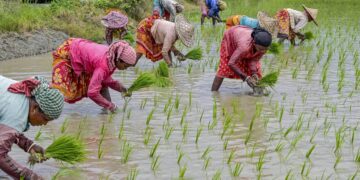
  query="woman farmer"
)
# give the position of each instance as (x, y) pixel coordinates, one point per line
(82, 68)
(241, 50)
(262, 21)
(115, 23)
(156, 38)
(211, 9)
(292, 21)
(30, 102)
(167, 9)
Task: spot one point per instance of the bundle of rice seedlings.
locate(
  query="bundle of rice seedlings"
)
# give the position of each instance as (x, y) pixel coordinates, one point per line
(162, 70)
(129, 38)
(194, 54)
(65, 148)
(269, 80)
(309, 35)
(142, 81)
(162, 75)
(274, 48)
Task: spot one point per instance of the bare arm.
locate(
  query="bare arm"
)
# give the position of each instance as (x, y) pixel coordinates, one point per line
(232, 64)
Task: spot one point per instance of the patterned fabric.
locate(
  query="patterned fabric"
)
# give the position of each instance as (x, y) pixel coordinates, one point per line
(238, 40)
(50, 100)
(283, 18)
(64, 79)
(145, 43)
(233, 21)
(8, 137)
(114, 20)
(124, 51)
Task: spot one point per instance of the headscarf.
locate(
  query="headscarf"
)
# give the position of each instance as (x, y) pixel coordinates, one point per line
(50, 101)
(121, 50)
(261, 37)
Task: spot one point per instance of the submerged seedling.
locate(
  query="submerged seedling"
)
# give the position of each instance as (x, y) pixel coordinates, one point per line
(182, 171)
(154, 148)
(237, 170)
(155, 163)
(126, 151)
(150, 116)
(198, 133)
(132, 174)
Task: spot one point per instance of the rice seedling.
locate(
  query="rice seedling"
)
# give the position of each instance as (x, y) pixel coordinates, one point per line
(289, 175)
(207, 162)
(189, 69)
(102, 129)
(155, 163)
(316, 130)
(66, 149)
(64, 126)
(190, 98)
(126, 149)
(279, 147)
(154, 148)
(305, 170)
(352, 177)
(167, 105)
(357, 157)
(337, 160)
(269, 80)
(288, 131)
(37, 135)
(217, 175)
(339, 139)
(231, 156)
(295, 72)
(162, 70)
(147, 135)
(121, 130)
(169, 113)
(260, 162)
(184, 130)
(177, 102)
(198, 133)
(206, 152)
(353, 132)
(274, 48)
(225, 145)
(143, 103)
(194, 54)
(182, 171)
(247, 137)
(168, 132)
(295, 141)
(202, 115)
(299, 122)
(132, 174)
(183, 116)
(65, 172)
(180, 156)
(142, 81)
(308, 153)
(150, 116)
(237, 169)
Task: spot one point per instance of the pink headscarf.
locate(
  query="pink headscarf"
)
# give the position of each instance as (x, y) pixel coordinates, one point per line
(121, 50)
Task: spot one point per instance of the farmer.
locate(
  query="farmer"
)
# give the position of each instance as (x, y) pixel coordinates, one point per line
(241, 50)
(262, 21)
(82, 68)
(167, 9)
(25, 103)
(292, 21)
(211, 9)
(156, 38)
(115, 23)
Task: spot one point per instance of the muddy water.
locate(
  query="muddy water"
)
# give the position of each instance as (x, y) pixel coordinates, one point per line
(310, 117)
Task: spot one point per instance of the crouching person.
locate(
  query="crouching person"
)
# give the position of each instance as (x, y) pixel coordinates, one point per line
(25, 103)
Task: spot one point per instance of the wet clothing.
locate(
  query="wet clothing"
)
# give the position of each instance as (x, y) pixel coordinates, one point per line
(14, 111)
(241, 20)
(14, 108)
(145, 43)
(213, 8)
(237, 41)
(298, 19)
(290, 22)
(81, 68)
(164, 33)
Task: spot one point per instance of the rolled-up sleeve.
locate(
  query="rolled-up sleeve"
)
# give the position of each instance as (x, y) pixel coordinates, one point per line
(94, 89)
(113, 84)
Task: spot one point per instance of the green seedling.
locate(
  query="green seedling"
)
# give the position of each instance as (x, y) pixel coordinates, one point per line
(38, 134)
(64, 126)
(169, 113)
(217, 175)
(182, 171)
(155, 163)
(225, 145)
(121, 130)
(154, 148)
(147, 135)
(180, 156)
(126, 151)
(207, 162)
(198, 133)
(183, 116)
(190, 98)
(143, 103)
(310, 151)
(231, 156)
(184, 130)
(150, 116)
(237, 170)
(132, 174)
(206, 152)
(177, 102)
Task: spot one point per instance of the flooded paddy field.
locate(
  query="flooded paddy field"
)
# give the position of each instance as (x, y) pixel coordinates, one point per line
(306, 128)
